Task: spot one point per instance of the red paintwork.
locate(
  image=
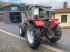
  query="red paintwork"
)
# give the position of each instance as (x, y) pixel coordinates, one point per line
(57, 21)
(39, 23)
(53, 23)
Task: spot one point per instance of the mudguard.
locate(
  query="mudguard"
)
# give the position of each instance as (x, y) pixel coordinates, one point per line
(39, 23)
(53, 23)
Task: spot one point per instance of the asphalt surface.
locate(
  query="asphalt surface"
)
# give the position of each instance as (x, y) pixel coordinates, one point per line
(9, 43)
(11, 27)
(64, 43)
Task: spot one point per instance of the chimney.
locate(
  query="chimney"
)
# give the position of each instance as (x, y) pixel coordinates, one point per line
(65, 5)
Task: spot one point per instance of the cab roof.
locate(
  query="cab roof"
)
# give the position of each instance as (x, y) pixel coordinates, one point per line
(38, 5)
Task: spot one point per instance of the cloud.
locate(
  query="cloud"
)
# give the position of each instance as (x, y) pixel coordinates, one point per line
(53, 3)
(41, 2)
(60, 0)
(36, 1)
(45, 2)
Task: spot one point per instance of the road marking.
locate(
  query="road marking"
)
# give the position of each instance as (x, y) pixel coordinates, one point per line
(14, 35)
(51, 48)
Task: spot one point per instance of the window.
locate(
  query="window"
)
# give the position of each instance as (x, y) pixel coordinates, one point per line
(29, 14)
(14, 8)
(64, 18)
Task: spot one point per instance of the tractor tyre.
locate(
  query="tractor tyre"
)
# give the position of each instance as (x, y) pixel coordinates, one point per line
(33, 36)
(22, 30)
(57, 33)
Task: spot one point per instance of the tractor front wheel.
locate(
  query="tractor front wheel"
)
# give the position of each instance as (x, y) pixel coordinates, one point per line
(22, 30)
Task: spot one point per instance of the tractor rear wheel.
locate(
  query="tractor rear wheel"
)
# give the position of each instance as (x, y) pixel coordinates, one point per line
(33, 37)
(57, 34)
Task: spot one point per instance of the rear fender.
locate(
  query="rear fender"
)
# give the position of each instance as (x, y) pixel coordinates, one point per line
(39, 23)
(53, 23)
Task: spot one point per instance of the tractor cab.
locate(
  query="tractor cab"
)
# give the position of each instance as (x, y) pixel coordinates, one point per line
(38, 12)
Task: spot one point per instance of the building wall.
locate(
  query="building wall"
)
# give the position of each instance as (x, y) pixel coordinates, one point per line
(6, 18)
(6, 10)
(58, 16)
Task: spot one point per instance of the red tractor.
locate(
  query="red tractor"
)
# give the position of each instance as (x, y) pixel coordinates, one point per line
(37, 23)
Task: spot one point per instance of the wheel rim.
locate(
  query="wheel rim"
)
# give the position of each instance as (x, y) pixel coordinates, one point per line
(30, 36)
(20, 31)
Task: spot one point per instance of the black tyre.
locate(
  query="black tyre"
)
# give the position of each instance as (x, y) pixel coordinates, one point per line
(57, 34)
(53, 40)
(22, 30)
(33, 37)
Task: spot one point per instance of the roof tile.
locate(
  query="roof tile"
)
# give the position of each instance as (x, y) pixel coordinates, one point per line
(63, 10)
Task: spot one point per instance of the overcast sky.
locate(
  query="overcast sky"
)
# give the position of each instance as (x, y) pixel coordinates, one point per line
(53, 3)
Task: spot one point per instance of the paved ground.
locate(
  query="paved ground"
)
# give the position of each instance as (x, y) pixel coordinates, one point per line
(11, 27)
(11, 44)
(64, 43)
